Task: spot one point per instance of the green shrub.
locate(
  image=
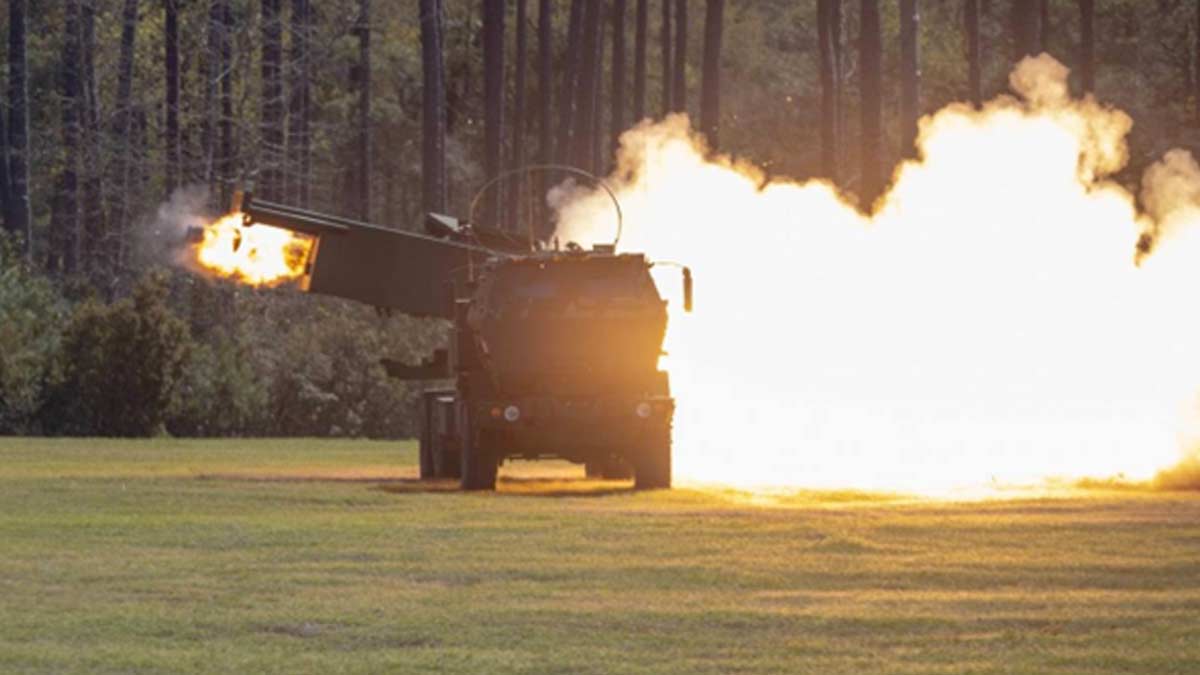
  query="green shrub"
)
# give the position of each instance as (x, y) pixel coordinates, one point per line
(220, 393)
(122, 364)
(319, 360)
(328, 381)
(32, 314)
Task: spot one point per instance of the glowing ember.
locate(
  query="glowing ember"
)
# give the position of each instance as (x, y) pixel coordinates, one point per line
(986, 325)
(259, 255)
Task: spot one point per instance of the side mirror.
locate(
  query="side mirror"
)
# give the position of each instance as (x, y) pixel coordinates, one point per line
(687, 289)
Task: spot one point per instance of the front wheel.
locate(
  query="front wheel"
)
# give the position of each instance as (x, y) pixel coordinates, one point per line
(652, 463)
(425, 445)
(608, 468)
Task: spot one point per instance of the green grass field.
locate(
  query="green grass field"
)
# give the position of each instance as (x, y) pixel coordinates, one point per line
(328, 557)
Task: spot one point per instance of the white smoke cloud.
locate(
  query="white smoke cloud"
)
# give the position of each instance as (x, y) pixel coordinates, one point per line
(163, 235)
(1171, 189)
(987, 323)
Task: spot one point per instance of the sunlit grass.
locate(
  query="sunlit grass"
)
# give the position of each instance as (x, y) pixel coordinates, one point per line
(326, 556)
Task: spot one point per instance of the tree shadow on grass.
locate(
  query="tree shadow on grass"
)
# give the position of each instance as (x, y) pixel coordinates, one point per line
(562, 487)
(516, 479)
(518, 486)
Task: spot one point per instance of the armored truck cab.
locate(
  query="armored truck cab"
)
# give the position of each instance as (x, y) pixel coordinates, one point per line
(562, 362)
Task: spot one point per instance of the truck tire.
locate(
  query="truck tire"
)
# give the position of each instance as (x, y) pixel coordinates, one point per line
(652, 463)
(425, 445)
(478, 464)
(609, 468)
(446, 448)
(479, 469)
(446, 457)
(426, 459)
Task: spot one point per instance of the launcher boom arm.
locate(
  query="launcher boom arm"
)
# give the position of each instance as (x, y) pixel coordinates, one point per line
(404, 271)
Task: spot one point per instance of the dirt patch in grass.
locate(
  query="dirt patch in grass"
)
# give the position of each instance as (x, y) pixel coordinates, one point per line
(312, 475)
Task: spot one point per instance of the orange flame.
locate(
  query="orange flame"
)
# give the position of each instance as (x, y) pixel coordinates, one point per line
(259, 255)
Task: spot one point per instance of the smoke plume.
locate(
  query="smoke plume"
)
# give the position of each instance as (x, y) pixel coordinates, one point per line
(991, 321)
(164, 236)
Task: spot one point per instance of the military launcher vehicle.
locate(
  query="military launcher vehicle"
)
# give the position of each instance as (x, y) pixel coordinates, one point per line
(553, 353)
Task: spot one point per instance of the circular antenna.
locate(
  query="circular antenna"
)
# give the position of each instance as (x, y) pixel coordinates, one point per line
(551, 168)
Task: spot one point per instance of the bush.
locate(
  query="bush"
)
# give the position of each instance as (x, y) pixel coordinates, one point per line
(122, 364)
(326, 378)
(272, 362)
(317, 361)
(32, 314)
(220, 393)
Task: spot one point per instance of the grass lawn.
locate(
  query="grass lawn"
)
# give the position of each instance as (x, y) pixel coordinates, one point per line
(325, 556)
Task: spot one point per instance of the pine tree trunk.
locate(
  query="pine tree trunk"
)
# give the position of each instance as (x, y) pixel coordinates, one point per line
(585, 110)
(87, 55)
(123, 132)
(493, 104)
(298, 100)
(516, 183)
(545, 112)
(974, 69)
(710, 84)
(616, 116)
(570, 83)
(639, 61)
(271, 124)
(1026, 28)
(870, 64)
(433, 134)
(389, 192)
(65, 216)
(363, 145)
(837, 32)
(5, 179)
(664, 38)
(985, 19)
(225, 159)
(94, 256)
(679, 84)
(545, 115)
(910, 75)
(828, 76)
(16, 207)
(598, 135)
(211, 63)
(545, 84)
(171, 62)
(306, 105)
(1087, 47)
(1044, 25)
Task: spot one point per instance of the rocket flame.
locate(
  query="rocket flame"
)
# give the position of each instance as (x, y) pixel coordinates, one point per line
(990, 323)
(259, 255)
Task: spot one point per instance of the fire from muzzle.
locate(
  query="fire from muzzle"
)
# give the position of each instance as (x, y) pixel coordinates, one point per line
(259, 255)
(994, 320)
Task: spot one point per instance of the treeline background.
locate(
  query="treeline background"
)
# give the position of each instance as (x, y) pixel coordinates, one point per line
(382, 110)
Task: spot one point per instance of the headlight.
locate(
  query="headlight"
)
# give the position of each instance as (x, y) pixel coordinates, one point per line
(643, 410)
(512, 413)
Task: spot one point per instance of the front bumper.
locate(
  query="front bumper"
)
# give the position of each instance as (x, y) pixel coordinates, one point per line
(571, 428)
